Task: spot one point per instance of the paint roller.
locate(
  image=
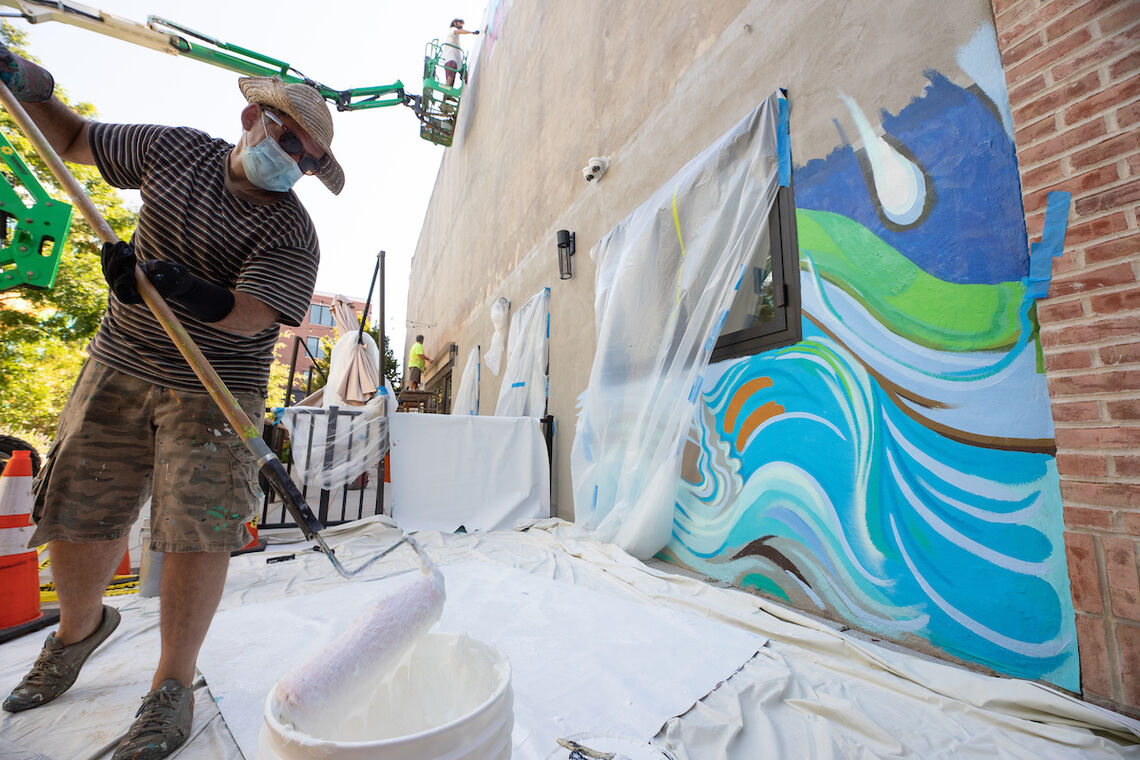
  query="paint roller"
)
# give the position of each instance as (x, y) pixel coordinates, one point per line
(329, 688)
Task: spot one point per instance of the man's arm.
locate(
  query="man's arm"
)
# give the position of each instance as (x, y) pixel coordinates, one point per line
(249, 315)
(32, 85)
(231, 310)
(64, 129)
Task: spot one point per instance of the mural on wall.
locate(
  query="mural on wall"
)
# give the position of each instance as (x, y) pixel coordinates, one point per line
(895, 468)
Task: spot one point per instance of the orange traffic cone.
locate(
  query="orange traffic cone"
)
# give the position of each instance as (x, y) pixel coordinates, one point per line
(255, 545)
(19, 566)
(125, 565)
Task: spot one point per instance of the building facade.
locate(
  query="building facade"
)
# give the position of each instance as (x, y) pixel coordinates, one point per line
(937, 445)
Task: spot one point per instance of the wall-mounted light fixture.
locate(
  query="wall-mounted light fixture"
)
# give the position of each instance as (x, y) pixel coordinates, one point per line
(565, 251)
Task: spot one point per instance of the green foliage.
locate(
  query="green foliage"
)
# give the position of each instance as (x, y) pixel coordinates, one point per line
(278, 374)
(43, 333)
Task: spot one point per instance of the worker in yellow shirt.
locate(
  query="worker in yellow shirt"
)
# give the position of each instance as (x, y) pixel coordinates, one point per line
(416, 359)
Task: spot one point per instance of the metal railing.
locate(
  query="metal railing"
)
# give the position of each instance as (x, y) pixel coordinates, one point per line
(334, 506)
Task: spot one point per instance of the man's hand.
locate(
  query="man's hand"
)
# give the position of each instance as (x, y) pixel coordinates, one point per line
(119, 271)
(475, 32)
(28, 82)
(174, 282)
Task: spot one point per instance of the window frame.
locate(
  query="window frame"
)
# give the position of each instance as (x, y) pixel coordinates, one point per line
(322, 313)
(315, 347)
(785, 258)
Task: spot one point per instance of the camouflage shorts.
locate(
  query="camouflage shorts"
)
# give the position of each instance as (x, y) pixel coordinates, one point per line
(122, 440)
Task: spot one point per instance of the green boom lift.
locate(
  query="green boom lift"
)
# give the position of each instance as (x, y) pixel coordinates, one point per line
(436, 109)
(439, 103)
(34, 233)
(35, 227)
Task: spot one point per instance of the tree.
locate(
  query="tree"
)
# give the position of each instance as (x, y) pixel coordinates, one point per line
(43, 333)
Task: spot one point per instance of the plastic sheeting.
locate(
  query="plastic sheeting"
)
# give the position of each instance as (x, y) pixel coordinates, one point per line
(812, 691)
(338, 441)
(466, 399)
(333, 445)
(523, 392)
(666, 277)
(479, 472)
(500, 309)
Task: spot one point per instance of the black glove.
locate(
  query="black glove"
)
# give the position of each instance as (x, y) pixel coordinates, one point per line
(119, 271)
(28, 82)
(174, 282)
(475, 32)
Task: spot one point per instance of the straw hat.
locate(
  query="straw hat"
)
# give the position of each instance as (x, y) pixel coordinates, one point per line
(308, 109)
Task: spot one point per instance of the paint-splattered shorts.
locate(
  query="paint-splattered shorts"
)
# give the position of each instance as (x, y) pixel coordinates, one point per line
(122, 440)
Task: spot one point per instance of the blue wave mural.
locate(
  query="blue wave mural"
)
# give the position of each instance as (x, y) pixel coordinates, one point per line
(894, 469)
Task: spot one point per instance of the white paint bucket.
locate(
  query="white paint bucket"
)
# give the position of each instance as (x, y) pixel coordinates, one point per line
(448, 699)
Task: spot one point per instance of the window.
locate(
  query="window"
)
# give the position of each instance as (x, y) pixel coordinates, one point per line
(766, 311)
(320, 315)
(313, 343)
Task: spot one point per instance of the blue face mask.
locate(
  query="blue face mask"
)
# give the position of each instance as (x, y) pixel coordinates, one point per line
(268, 166)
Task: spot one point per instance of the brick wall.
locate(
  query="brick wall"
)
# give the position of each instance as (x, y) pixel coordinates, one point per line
(1073, 72)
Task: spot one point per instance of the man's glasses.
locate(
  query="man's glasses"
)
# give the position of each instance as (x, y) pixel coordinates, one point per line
(293, 146)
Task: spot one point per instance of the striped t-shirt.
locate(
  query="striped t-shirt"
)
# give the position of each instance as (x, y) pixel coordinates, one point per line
(188, 215)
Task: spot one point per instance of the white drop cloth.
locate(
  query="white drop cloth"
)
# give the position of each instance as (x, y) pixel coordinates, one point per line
(580, 660)
(481, 472)
(811, 692)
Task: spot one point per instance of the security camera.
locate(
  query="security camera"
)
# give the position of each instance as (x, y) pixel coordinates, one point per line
(595, 168)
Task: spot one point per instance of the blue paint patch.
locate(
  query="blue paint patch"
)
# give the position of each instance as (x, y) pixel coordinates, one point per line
(783, 142)
(1052, 244)
(975, 231)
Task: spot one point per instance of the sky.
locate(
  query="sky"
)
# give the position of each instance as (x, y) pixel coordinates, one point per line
(389, 170)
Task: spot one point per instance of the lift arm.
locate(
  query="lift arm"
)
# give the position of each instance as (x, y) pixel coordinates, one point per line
(168, 37)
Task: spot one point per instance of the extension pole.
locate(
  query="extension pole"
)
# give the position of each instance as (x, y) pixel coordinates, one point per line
(267, 461)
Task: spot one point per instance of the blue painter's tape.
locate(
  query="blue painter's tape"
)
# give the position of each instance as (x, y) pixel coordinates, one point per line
(783, 142)
(517, 385)
(1052, 244)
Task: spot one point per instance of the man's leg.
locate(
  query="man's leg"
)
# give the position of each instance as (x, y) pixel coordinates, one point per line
(192, 584)
(81, 572)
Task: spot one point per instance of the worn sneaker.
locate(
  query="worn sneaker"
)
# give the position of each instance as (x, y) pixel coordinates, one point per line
(58, 666)
(161, 724)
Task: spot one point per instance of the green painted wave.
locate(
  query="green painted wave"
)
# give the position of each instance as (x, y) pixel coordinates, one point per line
(916, 305)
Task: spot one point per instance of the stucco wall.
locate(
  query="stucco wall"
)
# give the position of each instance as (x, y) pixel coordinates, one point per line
(652, 84)
(649, 84)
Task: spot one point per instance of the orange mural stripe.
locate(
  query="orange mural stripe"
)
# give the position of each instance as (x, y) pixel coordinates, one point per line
(741, 395)
(754, 420)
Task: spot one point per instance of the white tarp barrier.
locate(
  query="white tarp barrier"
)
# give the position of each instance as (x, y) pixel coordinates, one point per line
(500, 309)
(523, 392)
(666, 277)
(467, 397)
(481, 472)
(811, 691)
